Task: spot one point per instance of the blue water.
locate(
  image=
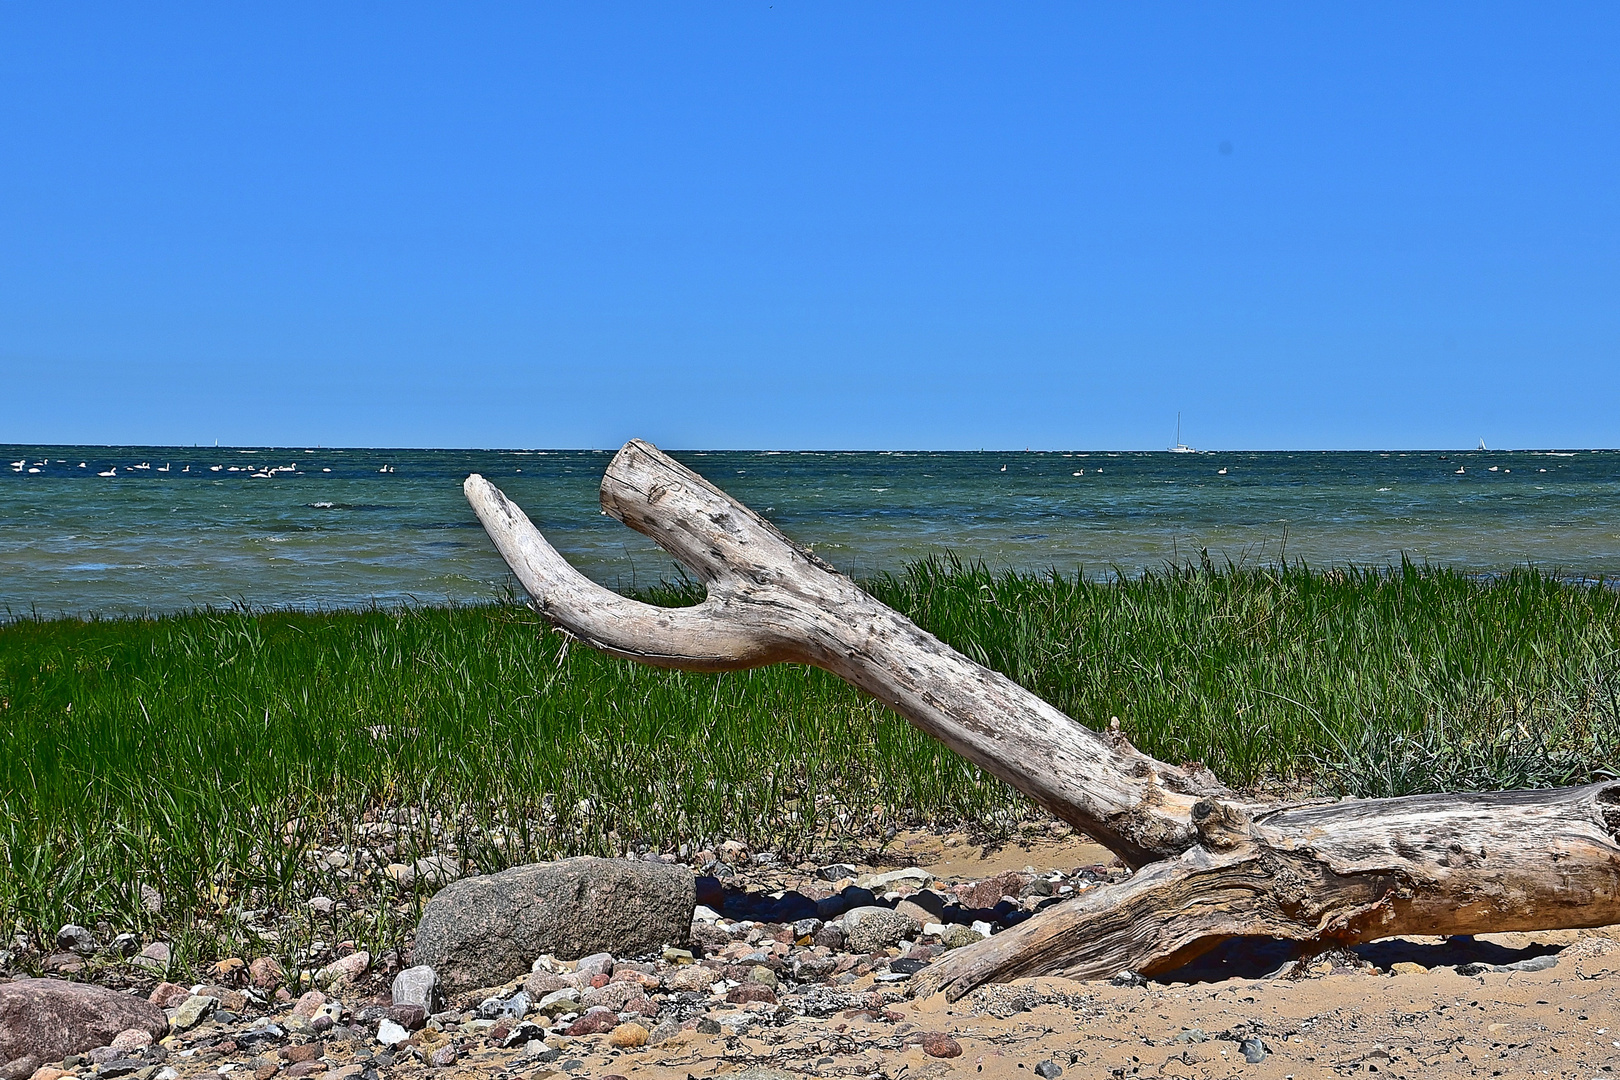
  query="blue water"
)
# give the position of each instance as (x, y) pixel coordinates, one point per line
(332, 528)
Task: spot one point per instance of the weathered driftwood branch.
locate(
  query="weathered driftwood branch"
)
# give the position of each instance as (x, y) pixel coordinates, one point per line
(1210, 865)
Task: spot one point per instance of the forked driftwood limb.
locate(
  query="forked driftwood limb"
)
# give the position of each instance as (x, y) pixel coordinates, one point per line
(1210, 865)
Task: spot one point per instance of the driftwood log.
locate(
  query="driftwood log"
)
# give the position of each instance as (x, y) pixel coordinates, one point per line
(1210, 864)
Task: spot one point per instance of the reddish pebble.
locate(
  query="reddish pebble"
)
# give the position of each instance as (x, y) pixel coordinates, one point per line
(751, 991)
(302, 1052)
(594, 1023)
(599, 980)
(940, 1045)
(307, 1068)
(168, 995)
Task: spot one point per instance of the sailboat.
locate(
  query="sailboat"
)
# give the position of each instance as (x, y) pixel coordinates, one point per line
(1180, 447)
(1482, 444)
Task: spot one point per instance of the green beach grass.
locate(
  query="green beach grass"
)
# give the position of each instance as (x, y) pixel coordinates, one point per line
(217, 759)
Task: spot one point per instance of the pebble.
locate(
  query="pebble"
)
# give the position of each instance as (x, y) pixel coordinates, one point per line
(628, 1036)
(192, 1011)
(155, 957)
(345, 969)
(1048, 1070)
(417, 985)
(391, 1034)
(940, 1045)
(1254, 1050)
(266, 973)
(77, 939)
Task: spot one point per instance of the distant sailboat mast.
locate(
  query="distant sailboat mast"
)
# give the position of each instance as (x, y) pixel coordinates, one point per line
(1482, 444)
(1180, 447)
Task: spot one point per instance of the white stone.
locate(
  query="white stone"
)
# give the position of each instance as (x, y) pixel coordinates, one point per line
(879, 881)
(391, 1034)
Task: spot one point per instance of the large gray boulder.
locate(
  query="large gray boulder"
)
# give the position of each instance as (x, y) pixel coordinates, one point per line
(487, 930)
(48, 1019)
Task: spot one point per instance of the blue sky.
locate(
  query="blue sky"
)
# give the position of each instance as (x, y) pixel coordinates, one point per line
(810, 225)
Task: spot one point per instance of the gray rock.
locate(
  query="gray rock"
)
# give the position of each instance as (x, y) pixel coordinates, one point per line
(956, 936)
(19, 1068)
(154, 958)
(1254, 1050)
(512, 1008)
(418, 985)
(614, 996)
(868, 929)
(48, 1019)
(483, 931)
(193, 1011)
(1535, 963)
(77, 939)
(595, 964)
(1128, 978)
(1048, 1070)
(837, 872)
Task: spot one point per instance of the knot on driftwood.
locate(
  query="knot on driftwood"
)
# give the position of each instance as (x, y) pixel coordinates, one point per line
(1221, 825)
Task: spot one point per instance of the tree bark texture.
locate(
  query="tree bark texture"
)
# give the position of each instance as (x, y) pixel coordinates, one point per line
(1210, 865)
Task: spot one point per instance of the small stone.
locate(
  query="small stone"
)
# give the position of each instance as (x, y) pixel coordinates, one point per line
(265, 1069)
(955, 937)
(610, 995)
(868, 929)
(751, 991)
(837, 872)
(595, 964)
(677, 956)
(126, 945)
(306, 1068)
(391, 1034)
(409, 1017)
(628, 1036)
(694, 979)
(45, 1072)
(664, 1032)
(541, 983)
(309, 1004)
(229, 972)
(418, 985)
(1406, 967)
(323, 905)
(1254, 1050)
(193, 1011)
(344, 970)
(763, 975)
(1128, 978)
(131, 1039)
(1190, 1035)
(940, 1045)
(301, 1052)
(19, 1068)
(1048, 1070)
(155, 957)
(265, 973)
(167, 995)
(594, 1023)
(77, 939)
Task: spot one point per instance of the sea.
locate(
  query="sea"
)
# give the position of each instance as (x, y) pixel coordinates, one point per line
(99, 530)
